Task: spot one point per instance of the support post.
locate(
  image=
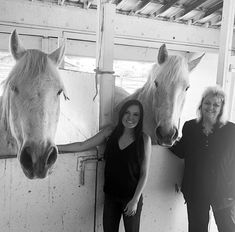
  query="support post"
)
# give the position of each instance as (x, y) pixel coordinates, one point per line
(104, 60)
(106, 83)
(225, 51)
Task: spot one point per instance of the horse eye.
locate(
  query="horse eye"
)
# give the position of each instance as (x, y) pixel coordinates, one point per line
(14, 89)
(187, 88)
(59, 92)
(156, 83)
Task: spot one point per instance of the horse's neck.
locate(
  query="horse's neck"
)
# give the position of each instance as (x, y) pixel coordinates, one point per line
(7, 142)
(144, 96)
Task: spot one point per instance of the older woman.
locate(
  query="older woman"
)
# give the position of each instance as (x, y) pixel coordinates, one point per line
(208, 147)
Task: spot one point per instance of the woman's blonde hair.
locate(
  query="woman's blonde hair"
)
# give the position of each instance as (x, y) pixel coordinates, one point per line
(214, 91)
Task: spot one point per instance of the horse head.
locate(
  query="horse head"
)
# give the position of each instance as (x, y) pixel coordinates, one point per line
(166, 90)
(31, 106)
(162, 96)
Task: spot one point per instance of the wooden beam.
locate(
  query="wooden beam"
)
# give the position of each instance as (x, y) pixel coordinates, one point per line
(35, 19)
(225, 51)
(213, 9)
(210, 11)
(140, 5)
(189, 8)
(165, 7)
(61, 2)
(104, 60)
(226, 35)
(116, 2)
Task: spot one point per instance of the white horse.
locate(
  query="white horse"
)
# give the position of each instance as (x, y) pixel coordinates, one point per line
(29, 108)
(163, 96)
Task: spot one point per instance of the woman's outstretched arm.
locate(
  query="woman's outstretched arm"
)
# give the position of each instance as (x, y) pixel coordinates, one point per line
(88, 144)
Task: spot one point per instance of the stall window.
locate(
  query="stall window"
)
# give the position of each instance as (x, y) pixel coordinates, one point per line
(129, 75)
(6, 63)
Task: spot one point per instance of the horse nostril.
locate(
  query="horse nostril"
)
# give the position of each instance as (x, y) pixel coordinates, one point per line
(25, 159)
(166, 136)
(158, 132)
(52, 156)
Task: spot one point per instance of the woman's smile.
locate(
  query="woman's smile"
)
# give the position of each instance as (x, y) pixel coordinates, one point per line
(131, 117)
(211, 108)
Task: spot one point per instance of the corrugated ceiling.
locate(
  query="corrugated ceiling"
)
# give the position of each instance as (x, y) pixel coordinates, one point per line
(206, 13)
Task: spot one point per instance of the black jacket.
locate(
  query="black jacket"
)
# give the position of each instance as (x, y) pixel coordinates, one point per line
(209, 172)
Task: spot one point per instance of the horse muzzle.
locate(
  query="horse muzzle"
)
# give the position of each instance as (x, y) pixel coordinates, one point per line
(166, 138)
(36, 161)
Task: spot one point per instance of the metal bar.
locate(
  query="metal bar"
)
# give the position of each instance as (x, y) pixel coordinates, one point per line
(8, 156)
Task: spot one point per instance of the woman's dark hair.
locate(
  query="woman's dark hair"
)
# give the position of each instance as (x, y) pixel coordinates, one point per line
(138, 130)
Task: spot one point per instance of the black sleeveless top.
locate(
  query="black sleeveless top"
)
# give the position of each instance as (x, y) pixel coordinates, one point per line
(122, 170)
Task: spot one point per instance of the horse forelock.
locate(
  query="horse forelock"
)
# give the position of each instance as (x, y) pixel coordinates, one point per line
(33, 64)
(164, 82)
(173, 71)
(29, 66)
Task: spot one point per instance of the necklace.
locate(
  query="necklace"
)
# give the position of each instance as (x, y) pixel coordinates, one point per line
(207, 130)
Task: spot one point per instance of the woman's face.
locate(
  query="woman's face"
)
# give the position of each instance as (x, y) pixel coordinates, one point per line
(131, 117)
(211, 107)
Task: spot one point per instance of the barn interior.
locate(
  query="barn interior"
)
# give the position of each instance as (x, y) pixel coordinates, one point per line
(121, 38)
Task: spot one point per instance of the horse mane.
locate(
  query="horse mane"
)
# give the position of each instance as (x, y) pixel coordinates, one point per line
(174, 67)
(173, 70)
(31, 64)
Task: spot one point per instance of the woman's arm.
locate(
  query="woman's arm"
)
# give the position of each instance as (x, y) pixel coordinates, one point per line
(132, 205)
(179, 147)
(88, 144)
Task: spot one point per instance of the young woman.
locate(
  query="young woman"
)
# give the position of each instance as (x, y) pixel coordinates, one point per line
(127, 156)
(208, 147)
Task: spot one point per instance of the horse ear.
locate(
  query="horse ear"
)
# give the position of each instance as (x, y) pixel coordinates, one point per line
(57, 55)
(162, 54)
(193, 63)
(17, 50)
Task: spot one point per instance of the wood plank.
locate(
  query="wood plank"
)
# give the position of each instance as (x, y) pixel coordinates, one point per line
(189, 8)
(165, 7)
(225, 50)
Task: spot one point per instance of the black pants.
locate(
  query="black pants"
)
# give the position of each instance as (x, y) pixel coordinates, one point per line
(198, 218)
(113, 210)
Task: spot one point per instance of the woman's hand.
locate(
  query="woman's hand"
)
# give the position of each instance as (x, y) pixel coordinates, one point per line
(131, 207)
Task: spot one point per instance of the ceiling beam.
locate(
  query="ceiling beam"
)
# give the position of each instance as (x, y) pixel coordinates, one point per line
(116, 1)
(133, 31)
(140, 5)
(208, 13)
(164, 7)
(61, 2)
(189, 8)
(213, 9)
